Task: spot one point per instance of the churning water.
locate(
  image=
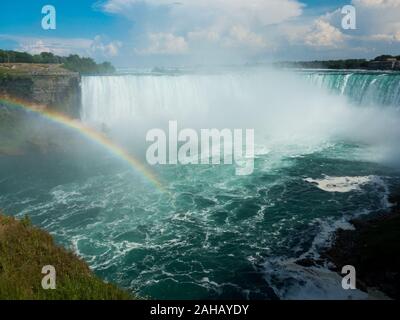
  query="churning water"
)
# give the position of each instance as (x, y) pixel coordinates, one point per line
(327, 147)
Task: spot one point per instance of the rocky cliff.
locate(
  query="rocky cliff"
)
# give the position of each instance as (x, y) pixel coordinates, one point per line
(49, 85)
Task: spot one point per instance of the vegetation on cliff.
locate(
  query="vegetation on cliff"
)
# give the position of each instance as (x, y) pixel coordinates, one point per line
(25, 250)
(330, 64)
(385, 62)
(72, 62)
(28, 70)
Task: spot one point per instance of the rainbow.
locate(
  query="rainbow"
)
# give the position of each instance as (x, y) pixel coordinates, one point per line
(90, 133)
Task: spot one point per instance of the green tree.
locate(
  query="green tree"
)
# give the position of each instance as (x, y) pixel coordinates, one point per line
(73, 62)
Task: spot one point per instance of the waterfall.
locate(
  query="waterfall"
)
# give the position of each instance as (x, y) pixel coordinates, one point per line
(306, 108)
(110, 99)
(361, 87)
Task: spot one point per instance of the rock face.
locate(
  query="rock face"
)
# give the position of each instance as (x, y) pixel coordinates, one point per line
(373, 249)
(49, 85)
(56, 88)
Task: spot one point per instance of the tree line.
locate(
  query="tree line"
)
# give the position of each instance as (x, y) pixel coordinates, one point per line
(72, 62)
(339, 64)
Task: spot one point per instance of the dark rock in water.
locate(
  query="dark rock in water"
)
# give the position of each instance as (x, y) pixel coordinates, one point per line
(309, 262)
(373, 248)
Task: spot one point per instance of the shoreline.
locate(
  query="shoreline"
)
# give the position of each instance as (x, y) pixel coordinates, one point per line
(26, 249)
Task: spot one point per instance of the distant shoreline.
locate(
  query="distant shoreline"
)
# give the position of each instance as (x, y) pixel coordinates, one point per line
(380, 63)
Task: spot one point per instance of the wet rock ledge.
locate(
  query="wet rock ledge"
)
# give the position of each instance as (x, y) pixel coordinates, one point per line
(373, 248)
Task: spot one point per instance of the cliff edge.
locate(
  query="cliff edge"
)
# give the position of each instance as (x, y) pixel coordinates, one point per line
(47, 84)
(25, 250)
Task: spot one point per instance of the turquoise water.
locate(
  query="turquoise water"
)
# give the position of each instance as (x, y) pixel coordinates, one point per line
(367, 88)
(213, 235)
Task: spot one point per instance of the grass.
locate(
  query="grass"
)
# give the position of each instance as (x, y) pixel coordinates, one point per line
(27, 69)
(25, 249)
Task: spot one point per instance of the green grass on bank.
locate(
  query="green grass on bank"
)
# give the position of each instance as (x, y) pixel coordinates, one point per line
(25, 249)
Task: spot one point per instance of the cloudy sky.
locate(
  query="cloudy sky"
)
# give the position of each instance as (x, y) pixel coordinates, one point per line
(186, 32)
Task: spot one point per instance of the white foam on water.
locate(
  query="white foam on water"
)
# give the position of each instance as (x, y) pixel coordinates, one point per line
(130, 105)
(307, 283)
(341, 184)
(289, 280)
(355, 183)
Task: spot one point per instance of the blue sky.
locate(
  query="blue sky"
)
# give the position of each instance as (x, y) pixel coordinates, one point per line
(186, 32)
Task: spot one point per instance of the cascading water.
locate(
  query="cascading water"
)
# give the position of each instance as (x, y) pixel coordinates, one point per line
(320, 161)
(115, 98)
(371, 88)
(304, 109)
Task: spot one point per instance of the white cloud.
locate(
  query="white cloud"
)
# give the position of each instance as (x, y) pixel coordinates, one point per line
(377, 20)
(379, 17)
(164, 43)
(378, 3)
(323, 34)
(253, 27)
(38, 46)
(377, 29)
(110, 49)
(263, 11)
(57, 46)
(241, 36)
(237, 36)
(204, 35)
(96, 47)
(385, 37)
(211, 24)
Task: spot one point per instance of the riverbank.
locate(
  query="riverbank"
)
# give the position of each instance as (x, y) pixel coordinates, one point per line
(25, 250)
(373, 248)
